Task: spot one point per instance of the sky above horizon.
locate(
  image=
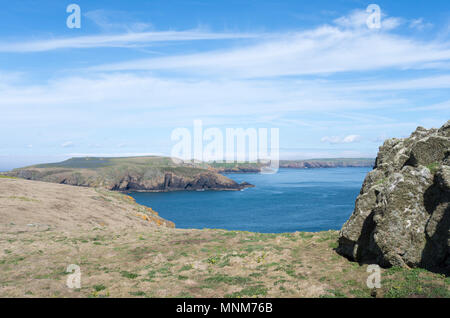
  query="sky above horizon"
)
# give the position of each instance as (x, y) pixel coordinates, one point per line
(135, 71)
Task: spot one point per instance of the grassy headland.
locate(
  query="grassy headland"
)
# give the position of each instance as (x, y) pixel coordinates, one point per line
(129, 174)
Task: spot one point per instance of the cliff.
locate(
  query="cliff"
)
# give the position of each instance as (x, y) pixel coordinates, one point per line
(402, 214)
(129, 174)
(292, 164)
(327, 163)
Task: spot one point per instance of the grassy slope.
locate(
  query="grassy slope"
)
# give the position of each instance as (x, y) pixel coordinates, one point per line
(112, 165)
(138, 259)
(99, 162)
(195, 263)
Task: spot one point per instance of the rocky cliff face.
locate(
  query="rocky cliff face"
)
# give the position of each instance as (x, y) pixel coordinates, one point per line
(175, 182)
(132, 178)
(402, 214)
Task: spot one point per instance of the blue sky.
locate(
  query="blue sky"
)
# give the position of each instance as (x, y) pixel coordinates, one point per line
(136, 70)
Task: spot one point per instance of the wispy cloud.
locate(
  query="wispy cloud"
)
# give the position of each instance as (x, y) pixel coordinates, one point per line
(420, 24)
(327, 81)
(131, 93)
(324, 50)
(445, 105)
(129, 39)
(417, 83)
(109, 21)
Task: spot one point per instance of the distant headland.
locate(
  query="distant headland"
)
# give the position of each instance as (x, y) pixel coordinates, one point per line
(160, 174)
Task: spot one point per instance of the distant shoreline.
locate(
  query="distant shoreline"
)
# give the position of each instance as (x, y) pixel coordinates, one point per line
(162, 174)
(295, 164)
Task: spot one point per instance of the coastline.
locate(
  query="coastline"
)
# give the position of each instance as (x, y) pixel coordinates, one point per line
(128, 251)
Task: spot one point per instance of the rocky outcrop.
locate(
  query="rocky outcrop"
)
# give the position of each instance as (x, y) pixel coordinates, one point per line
(402, 214)
(130, 176)
(136, 181)
(175, 182)
(238, 170)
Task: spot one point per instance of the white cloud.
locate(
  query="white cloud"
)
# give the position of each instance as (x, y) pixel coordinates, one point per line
(419, 83)
(331, 140)
(324, 50)
(117, 97)
(341, 140)
(351, 138)
(129, 39)
(358, 19)
(441, 106)
(8, 78)
(420, 24)
(242, 87)
(345, 46)
(115, 20)
(67, 144)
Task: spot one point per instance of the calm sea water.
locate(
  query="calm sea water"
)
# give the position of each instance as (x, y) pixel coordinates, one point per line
(291, 200)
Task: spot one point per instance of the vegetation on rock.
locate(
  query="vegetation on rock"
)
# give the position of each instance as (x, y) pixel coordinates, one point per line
(402, 215)
(129, 174)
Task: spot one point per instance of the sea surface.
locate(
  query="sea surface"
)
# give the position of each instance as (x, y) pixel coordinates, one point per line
(291, 200)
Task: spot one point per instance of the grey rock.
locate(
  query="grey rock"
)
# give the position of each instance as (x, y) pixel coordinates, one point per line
(402, 214)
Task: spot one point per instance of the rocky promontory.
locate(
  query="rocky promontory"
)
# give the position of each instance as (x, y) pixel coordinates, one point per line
(402, 214)
(153, 174)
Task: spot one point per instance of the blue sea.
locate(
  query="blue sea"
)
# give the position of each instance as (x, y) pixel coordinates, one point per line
(288, 201)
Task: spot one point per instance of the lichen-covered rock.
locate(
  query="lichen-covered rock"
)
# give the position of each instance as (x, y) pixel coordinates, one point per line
(402, 214)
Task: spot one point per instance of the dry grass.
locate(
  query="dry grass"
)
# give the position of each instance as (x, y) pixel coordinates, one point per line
(192, 263)
(138, 259)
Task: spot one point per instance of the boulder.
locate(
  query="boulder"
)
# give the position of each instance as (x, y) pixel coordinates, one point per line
(402, 214)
